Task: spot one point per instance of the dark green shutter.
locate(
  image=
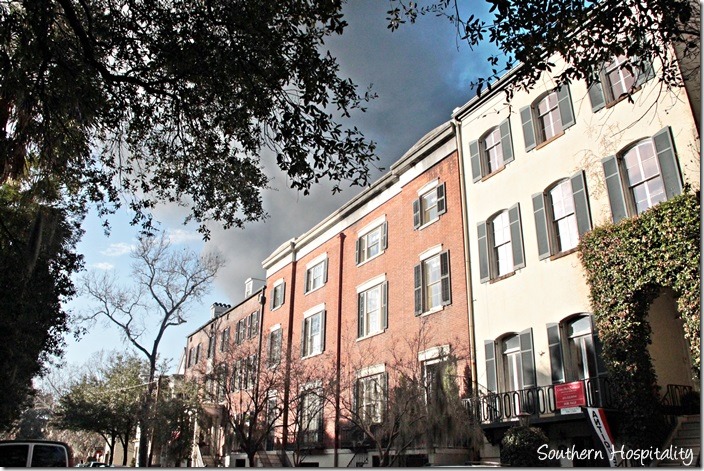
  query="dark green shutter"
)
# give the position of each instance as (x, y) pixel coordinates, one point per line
(416, 214)
(528, 127)
(475, 161)
(360, 314)
(283, 293)
(581, 203)
(555, 348)
(357, 253)
(669, 169)
(303, 338)
(527, 359)
(490, 361)
(483, 243)
(445, 278)
(514, 218)
(645, 73)
(384, 236)
(598, 350)
(564, 104)
(596, 96)
(385, 305)
(325, 271)
(506, 144)
(541, 226)
(418, 289)
(614, 186)
(442, 205)
(322, 331)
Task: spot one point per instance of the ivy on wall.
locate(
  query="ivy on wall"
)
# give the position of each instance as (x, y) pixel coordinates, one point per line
(627, 264)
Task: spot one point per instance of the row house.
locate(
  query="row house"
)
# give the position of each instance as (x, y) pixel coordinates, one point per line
(542, 170)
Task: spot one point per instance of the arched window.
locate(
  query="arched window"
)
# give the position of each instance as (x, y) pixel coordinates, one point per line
(547, 117)
(575, 351)
(500, 241)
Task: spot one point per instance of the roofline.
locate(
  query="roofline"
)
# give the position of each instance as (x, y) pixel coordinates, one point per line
(421, 149)
(226, 312)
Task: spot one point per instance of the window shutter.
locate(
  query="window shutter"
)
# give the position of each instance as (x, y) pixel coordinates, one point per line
(645, 73)
(528, 127)
(514, 218)
(669, 169)
(322, 331)
(384, 236)
(445, 278)
(303, 338)
(614, 186)
(541, 226)
(360, 315)
(527, 359)
(598, 350)
(384, 394)
(272, 302)
(283, 293)
(490, 360)
(270, 348)
(442, 206)
(555, 348)
(306, 286)
(355, 397)
(596, 96)
(418, 288)
(506, 144)
(325, 271)
(483, 243)
(384, 305)
(475, 161)
(357, 254)
(581, 203)
(416, 214)
(564, 104)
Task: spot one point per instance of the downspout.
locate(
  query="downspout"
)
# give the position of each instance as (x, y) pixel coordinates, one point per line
(262, 302)
(289, 338)
(465, 239)
(338, 353)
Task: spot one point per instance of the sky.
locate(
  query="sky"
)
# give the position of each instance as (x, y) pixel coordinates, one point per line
(420, 73)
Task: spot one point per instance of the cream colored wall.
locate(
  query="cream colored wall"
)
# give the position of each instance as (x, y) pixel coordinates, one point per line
(549, 290)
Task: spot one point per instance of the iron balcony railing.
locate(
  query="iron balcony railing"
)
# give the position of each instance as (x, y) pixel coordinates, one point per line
(537, 401)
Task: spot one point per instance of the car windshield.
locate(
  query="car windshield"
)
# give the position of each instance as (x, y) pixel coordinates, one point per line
(13, 455)
(45, 456)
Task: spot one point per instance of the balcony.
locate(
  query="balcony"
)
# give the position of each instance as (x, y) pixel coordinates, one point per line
(537, 402)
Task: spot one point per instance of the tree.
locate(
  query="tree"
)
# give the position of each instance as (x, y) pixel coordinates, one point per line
(152, 101)
(37, 260)
(165, 283)
(106, 402)
(586, 35)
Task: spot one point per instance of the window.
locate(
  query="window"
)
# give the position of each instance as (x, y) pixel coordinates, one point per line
(575, 351)
(371, 244)
(617, 79)
(278, 295)
(313, 334)
(516, 364)
(274, 353)
(311, 417)
(372, 309)
(225, 339)
(197, 359)
(547, 117)
(190, 356)
(434, 376)
(242, 328)
(211, 343)
(645, 174)
(253, 324)
(370, 396)
(500, 241)
(429, 206)
(244, 373)
(561, 216)
(432, 283)
(316, 275)
(492, 151)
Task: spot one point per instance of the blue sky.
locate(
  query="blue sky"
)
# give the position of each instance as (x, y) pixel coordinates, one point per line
(420, 72)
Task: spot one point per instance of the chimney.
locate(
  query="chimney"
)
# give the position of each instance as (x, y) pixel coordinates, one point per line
(251, 285)
(217, 309)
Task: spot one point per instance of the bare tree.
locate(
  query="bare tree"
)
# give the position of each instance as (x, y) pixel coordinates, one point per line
(164, 283)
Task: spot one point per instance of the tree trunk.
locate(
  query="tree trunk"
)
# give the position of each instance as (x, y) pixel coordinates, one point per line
(111, 445)
(144, 421)
(125, 447)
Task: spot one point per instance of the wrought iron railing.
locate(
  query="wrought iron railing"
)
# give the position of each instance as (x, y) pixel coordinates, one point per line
(537, 401)
(680, 399)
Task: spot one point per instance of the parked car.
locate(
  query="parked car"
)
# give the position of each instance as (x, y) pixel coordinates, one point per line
(35, 453)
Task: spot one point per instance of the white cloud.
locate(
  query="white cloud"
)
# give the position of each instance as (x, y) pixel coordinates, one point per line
(103, 266)
(118, 249)
(181, 236)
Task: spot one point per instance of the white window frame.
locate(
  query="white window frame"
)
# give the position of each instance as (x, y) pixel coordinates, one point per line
(644, 181)
(425, 214)
(365, 330)
(277, 294)
(377, 228)
(309, 347)
(374, 399)
(492, 152)
(563, 216)
(318, 263)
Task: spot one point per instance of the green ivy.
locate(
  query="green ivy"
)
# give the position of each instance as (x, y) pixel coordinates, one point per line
(627, 264)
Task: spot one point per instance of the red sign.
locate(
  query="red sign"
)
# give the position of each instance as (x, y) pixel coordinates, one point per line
(570, 395)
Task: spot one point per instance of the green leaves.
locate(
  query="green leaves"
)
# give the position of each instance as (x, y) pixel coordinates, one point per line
(627, 265)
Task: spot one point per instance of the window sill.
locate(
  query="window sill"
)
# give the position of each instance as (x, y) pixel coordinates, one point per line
(489, 175)
(621, 98)
(311, 355)
(431, 311)
(548, 141)
(371, 258)
(502, 277)
(432, 221)
(276, 308)
(314, 290)
(368, 336)
(564, 254)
